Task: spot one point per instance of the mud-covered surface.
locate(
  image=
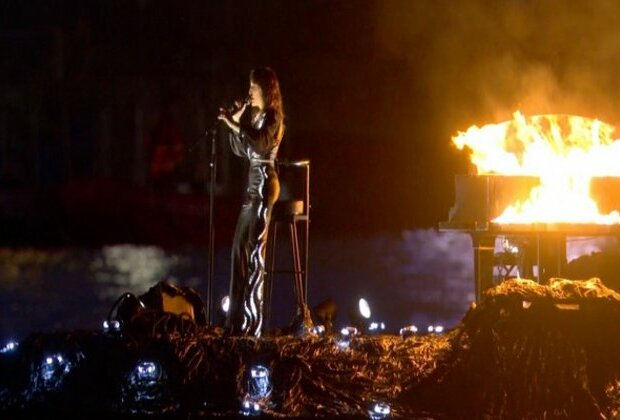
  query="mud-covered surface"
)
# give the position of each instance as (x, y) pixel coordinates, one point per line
(527, 351)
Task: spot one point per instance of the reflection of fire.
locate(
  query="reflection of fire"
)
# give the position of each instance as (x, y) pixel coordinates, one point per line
(564, 151)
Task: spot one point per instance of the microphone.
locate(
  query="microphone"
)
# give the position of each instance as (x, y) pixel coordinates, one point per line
(234, 108)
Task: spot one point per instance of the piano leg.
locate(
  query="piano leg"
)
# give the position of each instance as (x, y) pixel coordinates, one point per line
(544, 250)
(551, 256)
(484, 250)
(527, 256)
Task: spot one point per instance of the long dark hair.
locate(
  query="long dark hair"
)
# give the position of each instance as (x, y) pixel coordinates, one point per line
(266, 78)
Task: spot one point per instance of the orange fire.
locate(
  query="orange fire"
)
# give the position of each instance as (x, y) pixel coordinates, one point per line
(564, 151)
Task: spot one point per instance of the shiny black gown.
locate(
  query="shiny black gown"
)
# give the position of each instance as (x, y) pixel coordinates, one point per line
(258, 142)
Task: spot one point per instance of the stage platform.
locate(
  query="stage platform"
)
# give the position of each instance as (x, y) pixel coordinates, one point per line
(526, 351)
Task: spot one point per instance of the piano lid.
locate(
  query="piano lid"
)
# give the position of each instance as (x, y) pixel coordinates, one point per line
(479, 199)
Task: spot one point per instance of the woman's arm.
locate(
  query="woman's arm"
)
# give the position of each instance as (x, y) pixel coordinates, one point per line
(261, 139)
(241, 108)
(230, 120)
(236, 144)
(265, 137)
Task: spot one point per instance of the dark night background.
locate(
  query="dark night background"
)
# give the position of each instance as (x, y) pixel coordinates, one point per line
(85, 82)
(373, 91)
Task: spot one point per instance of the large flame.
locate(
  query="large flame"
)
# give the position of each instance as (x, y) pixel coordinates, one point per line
(564, 151)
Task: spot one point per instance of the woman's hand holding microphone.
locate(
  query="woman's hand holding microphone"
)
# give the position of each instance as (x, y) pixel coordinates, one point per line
(232, 115)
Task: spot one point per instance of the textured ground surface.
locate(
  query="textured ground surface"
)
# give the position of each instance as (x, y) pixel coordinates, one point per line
(527, 351)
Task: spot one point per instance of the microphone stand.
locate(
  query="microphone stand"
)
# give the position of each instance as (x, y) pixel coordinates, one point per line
(212, 131)
(211, 251)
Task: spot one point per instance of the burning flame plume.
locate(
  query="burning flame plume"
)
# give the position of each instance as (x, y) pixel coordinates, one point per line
(564, 151)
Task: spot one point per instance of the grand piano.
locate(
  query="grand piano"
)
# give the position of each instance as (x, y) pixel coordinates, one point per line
(479, 199)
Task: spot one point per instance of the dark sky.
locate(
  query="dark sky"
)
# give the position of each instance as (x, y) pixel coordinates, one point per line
(373, 90)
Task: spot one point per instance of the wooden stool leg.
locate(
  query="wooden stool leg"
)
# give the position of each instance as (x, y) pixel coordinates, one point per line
(305, 259)
(270, 271)
(299, 292)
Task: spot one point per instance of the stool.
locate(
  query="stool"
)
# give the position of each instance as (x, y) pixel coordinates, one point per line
(292, 208)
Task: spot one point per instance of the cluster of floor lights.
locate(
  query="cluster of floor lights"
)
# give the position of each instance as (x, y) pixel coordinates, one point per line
(112, 326)
(408, 331)
(250, 408)
(49, 373)
(145, 382)
(318, 330)
(145, 386)
(225, 304)
(9, 347)
(375, 327)
(344, 339)
(437, 329)
(369, 327)
(346, 334)
(258, 390)
(379, 410)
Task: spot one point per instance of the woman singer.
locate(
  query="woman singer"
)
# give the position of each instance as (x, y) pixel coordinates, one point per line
(256, 130)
